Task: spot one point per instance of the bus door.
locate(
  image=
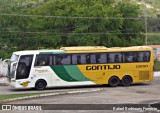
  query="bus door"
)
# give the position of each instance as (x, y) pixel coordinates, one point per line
(24, 66)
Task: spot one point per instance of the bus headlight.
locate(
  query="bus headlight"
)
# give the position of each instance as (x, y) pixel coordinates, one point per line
(25, 84)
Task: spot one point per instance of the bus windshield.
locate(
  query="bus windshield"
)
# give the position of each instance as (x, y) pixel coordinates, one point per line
(14, 58)
(12, 65)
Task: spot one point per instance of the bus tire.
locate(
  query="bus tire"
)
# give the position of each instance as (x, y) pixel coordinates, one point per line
(126, 80)
(40, 84)
(113, 81)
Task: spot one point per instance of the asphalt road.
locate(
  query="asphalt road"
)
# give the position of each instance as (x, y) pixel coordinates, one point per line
(144, 93)
(10, 90)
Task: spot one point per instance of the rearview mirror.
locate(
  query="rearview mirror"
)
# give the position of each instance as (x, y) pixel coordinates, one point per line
(5, 62)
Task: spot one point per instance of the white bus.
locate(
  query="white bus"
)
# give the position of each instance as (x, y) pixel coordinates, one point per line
(70, 66)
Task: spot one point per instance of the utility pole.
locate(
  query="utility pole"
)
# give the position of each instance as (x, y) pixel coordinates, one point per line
(145, 19)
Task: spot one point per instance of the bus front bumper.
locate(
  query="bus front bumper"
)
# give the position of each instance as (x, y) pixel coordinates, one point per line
(20, 84)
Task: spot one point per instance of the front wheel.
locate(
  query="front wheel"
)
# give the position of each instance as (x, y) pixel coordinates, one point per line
(40, 85)
(113, 81)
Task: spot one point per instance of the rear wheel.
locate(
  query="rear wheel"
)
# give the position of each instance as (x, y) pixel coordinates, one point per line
(113, 81)
(126, 81)
(40, 85)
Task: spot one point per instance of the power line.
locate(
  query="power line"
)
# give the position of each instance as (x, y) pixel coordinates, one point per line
(98, 33)
(74, 35)
(70, 17)
(40, 32)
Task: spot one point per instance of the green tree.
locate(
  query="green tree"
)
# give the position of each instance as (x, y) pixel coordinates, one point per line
(133, 26)
(90, 22)
(56, 23)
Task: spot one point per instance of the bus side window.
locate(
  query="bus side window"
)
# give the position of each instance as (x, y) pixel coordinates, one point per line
(116, 59)
(76, 59)
(83, 58)
(135, 57)
(93, 58)
(98, 58)
(140, 57)
(110, 58)
(63, 59)
(88, 60)
(146, 57)
(101, 58)
(66, 60)
(128, 57)
(43, 60)
(58, 60)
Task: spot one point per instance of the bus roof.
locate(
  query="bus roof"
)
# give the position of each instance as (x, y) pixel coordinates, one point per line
(84, 49)
(104, 49)
(25, 52)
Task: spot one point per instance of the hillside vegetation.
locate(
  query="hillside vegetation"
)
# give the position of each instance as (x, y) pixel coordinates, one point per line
(151, 7)
(33, 24)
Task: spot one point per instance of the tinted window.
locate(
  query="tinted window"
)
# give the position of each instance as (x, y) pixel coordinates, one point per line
(130, 57)
(44, 60)
(75, 59)
(136, 57)
(143, 56)
(24, 66)
(63, 59)
(89, 58)
(97, 58)
(101, 58)
(114, 57)
(81, 59)
(93, 58)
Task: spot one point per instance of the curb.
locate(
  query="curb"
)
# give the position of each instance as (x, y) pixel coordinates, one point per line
(155, 103)
(157, 74)
(52, 94)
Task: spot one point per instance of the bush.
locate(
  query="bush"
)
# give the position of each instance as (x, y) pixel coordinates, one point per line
(156, 65)
(5, 54)
(154, 39)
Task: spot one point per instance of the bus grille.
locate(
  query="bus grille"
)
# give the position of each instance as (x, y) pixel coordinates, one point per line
(144, 75)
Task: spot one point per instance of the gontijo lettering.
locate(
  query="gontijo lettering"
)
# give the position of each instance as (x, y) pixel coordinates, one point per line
(103, 67)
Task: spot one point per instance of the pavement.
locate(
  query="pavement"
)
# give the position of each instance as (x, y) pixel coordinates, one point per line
(6, 89)
(143, 93)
